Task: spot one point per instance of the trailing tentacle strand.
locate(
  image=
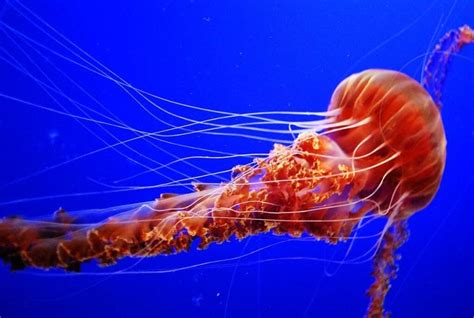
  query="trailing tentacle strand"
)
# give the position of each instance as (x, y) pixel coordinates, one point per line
(434, 72)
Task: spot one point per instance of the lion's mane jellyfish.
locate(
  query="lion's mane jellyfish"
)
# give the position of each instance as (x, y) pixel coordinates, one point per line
(384, 159)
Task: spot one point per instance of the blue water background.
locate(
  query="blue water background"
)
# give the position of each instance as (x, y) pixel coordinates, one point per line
(238, 56)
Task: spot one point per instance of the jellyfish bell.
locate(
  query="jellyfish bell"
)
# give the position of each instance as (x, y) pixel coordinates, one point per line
(400, 126)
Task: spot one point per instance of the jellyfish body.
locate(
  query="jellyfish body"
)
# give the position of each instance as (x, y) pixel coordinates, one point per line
(385, 159)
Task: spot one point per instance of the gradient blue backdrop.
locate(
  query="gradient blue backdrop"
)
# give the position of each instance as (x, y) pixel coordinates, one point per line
(240, 56)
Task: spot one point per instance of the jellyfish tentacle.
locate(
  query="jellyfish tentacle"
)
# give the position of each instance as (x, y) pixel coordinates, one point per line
(264, 196)
(385, 267)
(435, 69)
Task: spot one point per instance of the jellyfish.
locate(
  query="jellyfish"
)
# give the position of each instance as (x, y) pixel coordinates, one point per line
(380, 154)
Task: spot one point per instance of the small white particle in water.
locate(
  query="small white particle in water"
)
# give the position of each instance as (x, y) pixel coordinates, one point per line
(53, 135)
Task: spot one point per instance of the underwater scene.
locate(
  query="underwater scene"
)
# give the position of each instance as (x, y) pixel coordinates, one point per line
(236, 158)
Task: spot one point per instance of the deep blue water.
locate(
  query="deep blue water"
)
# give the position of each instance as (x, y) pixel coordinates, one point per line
(234, 56)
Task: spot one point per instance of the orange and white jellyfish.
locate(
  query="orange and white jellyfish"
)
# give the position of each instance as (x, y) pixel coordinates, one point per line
(381, 154)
